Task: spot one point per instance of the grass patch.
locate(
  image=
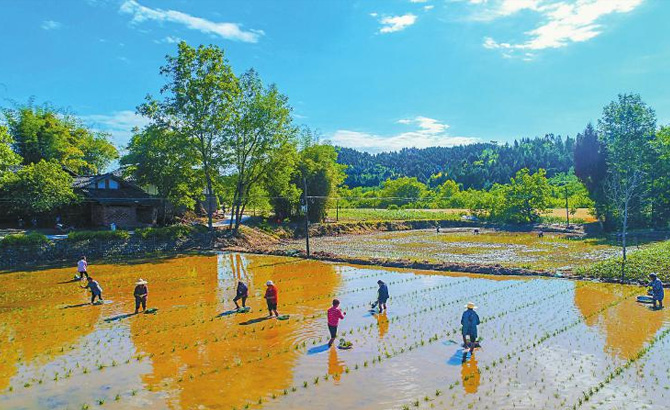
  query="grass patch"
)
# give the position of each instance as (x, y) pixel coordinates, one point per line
(639, 264)
(97, 235)
(363, 214)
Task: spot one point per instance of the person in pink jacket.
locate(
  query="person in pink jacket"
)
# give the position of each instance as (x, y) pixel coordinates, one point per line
(334, 316)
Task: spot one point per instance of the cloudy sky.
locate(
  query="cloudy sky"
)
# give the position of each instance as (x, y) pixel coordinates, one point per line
(373, 75)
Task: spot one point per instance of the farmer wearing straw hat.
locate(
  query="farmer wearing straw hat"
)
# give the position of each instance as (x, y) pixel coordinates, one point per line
(141, 293)
(271, 298)
(470, 320)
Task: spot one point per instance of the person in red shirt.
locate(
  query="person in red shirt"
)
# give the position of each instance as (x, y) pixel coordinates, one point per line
(334, 316)
(271, 298)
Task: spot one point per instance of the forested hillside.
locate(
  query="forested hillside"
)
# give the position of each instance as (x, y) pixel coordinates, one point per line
(476, 166)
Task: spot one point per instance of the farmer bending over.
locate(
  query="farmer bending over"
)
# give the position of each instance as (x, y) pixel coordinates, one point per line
(271, 298)
(656, 290)
(382, 295)
(470, 320)
(141, 293)
(95, 288)
(242, 293)
(334, 316)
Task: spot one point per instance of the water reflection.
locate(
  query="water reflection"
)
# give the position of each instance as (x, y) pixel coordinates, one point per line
(470, 374)
(626, 326)
(335, 366)
(206, 361)
(382, 324)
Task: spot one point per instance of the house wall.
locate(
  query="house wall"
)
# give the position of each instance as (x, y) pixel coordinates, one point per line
(122, 216)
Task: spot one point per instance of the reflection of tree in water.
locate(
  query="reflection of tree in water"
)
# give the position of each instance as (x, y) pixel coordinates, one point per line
(382, 324)
(470, 375)
(626, 326)
(335, 365)
(197, 376)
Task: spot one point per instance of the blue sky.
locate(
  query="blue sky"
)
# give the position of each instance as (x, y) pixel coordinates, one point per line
(373, 75)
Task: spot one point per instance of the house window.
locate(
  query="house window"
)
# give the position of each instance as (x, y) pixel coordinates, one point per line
(113, 184)
(101, 184)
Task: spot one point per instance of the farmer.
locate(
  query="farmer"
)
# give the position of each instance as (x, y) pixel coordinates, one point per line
(141, 293)
(470, 320)
(382, 295)
(334, 316)
(271, 298)
(82, 267)
(242, 293)
(656, 290)
(95, 289)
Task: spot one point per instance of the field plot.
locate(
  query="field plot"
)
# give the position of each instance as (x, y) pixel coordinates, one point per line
(547, 343)
(581, 215)
(552, 252)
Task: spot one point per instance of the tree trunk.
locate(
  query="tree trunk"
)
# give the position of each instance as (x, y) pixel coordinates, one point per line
(623, 241)
(209, 197)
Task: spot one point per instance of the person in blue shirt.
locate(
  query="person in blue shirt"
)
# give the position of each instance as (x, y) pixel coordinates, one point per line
(656, 290)
(470, 321)
(382, 295)
(95, 288)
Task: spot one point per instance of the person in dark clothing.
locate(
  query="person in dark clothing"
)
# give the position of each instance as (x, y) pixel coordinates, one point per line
(382, 295)
(656, 290)
(242, 293)
(96, 290)
(470, 321)
(141, 294)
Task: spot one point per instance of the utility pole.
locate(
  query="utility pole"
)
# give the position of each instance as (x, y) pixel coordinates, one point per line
(567, 209)
(337, 210)
(304, 184)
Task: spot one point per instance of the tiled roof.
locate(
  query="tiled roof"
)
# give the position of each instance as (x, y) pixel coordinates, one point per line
(127, 193)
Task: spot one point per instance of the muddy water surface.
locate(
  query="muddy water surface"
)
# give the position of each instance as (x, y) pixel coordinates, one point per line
(545, 341)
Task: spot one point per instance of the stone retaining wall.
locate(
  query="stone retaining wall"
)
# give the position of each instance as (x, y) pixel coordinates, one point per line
(65, 251)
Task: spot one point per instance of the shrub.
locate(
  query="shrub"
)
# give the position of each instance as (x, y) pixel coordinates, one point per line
(639, 264)
(392, 207)
(101, 235)
(31, 239)
(170, 232)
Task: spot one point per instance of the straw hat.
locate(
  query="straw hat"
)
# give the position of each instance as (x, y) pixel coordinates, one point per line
(141, 281)
(471, 305)
(268, 283)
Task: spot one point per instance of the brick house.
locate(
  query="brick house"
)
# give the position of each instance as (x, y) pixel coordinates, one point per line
(108, 198)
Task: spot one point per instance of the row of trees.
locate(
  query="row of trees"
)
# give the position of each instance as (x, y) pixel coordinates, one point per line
(477, 166)
(522, 199)
(38, 146)
(230, 139)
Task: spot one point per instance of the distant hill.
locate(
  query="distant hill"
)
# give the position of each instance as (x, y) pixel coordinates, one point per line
(474, 166)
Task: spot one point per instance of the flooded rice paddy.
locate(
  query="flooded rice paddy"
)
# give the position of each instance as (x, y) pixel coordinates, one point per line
(547, 343)
(552, 252)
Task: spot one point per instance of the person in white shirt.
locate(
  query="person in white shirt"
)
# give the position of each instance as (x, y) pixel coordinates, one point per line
(82, 267)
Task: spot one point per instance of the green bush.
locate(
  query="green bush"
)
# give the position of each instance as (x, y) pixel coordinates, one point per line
(639, 264)
(101, 235)
(31, 239)
(170, 232)
(392, 207)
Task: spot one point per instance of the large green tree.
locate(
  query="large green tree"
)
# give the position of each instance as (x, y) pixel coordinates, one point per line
(43, 133)
(525, 198)
(165, 160)
(198, 104)
(37, 188)
(323, 175)
(261, 127)
(8, 158)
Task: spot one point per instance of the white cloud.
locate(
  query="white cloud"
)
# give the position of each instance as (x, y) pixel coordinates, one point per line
(429, 132)
(51, 25)
(562, 22)
(169, 40)
(429, 7)
(119, 124)
(230, 31)
(391, 24)
(418, 1)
